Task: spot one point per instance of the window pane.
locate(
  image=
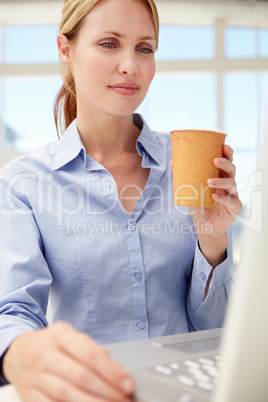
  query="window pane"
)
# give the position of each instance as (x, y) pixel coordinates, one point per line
(184, 42)
(241, 109)
(263, 42)
(31, 44)
(2, 128)
(1, 43)
(29, 111)
(240, 42)
(177, 100)
(1, 96)
(264, 103)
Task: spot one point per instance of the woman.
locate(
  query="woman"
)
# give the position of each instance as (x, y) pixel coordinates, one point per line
(93, 224)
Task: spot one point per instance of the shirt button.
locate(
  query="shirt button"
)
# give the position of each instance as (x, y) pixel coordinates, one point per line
(138, 276)
(141, 324)
(131, 227)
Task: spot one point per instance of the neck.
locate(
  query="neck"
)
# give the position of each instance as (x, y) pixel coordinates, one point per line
(108, 138)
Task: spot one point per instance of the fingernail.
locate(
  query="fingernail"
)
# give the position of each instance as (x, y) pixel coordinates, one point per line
(212, 182)
(127, 385)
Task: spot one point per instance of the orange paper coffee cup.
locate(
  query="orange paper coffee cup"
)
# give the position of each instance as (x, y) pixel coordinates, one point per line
(193, 151)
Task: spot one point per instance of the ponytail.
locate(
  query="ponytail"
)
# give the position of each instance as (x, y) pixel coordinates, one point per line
(65, 107)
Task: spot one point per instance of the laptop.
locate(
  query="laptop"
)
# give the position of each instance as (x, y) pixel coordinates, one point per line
(220, 365)
(176, 368)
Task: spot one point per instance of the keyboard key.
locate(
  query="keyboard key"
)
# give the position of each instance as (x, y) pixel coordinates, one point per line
(208, 386)
(174, 366)
(212, 371)
(191, 363)
(186, 380)
(163, 370)
(195, 371)
(185, 398)
(208, 362)
(203, 377)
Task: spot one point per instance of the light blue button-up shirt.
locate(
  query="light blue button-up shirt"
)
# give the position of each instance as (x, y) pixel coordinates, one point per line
(65, 235)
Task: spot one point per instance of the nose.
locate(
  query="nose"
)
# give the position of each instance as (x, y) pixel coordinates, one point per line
(128, 64)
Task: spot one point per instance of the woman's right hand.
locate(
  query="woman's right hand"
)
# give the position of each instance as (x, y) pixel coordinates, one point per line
(59, 363)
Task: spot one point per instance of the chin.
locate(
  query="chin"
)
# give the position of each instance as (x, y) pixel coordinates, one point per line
(125, 106)
(124, 111)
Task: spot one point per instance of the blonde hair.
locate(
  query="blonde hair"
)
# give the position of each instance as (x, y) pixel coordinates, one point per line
(73, 15)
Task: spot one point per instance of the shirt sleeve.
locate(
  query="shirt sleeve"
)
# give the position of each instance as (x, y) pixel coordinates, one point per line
(209, 313)
(25, 277)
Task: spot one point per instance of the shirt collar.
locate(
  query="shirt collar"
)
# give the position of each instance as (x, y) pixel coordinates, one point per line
(70, 145)
(147, 140)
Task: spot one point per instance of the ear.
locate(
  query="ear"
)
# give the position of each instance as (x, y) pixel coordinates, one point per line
(64, 49)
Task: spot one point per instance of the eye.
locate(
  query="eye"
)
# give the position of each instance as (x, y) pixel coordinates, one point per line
(145, 50)
(108, 45)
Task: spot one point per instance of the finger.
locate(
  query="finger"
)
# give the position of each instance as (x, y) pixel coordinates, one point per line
(225, 166)
(78, 374)
(232, 204)
(36, 395)
(59, 390)
(227, 184)
(95, 357)
(170, 164)
(228, 152)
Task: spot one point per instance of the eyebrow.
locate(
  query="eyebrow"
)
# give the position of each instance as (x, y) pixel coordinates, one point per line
(119, 35)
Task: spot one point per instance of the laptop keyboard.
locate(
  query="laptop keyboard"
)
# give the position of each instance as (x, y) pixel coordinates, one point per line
(194, 375)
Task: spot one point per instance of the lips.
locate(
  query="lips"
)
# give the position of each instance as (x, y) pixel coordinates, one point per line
(125, 88)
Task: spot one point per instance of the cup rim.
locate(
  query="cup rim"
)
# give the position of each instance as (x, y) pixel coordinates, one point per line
(200, 129)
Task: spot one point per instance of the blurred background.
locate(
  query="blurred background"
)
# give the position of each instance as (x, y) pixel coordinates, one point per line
(212, 72)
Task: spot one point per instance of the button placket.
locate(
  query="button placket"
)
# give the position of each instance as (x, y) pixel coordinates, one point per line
(137, 279)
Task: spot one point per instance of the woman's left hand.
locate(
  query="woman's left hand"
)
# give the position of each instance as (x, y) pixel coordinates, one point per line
(211, 224)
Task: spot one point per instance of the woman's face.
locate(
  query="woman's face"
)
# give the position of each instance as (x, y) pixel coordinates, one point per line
(112, 59)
